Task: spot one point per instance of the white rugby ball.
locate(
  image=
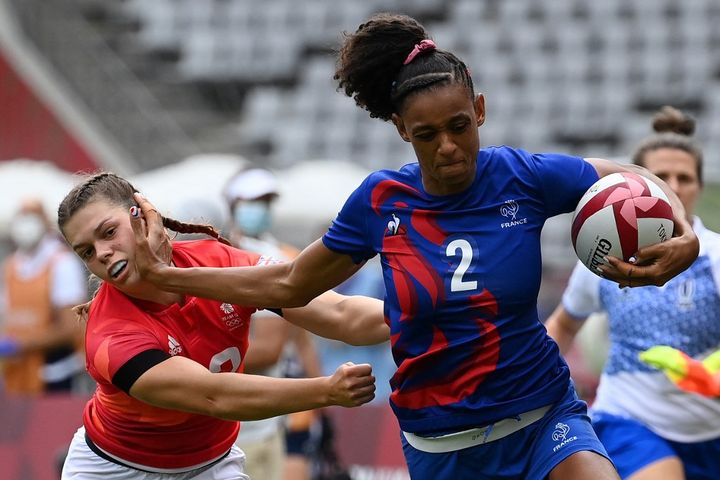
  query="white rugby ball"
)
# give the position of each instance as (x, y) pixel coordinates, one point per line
(618, 215)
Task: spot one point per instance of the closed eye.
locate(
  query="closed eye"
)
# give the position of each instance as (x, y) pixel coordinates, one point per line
(425, 136)
(459, 127)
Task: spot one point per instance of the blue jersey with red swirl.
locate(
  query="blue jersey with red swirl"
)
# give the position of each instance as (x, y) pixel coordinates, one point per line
(462, 275)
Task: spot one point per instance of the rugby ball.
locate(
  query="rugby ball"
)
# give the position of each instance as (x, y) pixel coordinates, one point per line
(618, 215)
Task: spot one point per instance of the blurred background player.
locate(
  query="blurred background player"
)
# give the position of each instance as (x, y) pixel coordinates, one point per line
(39, 335)
(650, 428)
(277, 448)
(250, 195)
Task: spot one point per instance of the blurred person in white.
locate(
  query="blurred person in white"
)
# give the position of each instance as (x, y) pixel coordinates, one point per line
(43, 280)
(277, 448)
(650, 428)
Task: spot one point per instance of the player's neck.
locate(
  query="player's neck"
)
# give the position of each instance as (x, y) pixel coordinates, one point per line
(150, 293)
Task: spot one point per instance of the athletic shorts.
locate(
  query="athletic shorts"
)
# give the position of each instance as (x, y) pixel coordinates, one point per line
(530, 453)
(82, 463)
(298, 443)
(632, 446)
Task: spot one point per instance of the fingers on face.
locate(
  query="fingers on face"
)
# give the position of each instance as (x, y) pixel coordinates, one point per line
(153, 218)
(146, 221)
(137, 224)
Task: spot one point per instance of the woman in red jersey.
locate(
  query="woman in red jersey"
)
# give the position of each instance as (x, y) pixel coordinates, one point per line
(168, 366)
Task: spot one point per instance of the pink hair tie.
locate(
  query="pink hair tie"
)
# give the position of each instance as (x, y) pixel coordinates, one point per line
(423, 46)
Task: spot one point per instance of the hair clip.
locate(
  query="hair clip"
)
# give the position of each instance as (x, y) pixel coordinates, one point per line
(426, 45)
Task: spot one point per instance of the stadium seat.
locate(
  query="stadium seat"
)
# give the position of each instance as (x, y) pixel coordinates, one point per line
(575, 68)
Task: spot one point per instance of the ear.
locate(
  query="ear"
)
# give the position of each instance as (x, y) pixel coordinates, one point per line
(479, 105)
(400, 125)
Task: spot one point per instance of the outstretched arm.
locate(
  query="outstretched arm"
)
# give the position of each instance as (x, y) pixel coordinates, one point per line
(179, 383)
(355, 320)
(656, 264)
(292, 284)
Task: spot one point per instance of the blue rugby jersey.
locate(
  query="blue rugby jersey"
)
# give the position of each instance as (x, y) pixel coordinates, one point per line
(462, 273)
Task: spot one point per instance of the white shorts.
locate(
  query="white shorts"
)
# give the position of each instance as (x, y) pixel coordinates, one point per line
(82, 463)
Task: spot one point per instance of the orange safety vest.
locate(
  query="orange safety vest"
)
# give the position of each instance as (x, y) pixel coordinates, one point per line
(29, 313)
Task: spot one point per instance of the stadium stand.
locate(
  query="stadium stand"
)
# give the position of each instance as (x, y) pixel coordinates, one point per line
(575, 76)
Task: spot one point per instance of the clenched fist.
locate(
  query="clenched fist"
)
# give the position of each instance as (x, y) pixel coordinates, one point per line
(352, 385)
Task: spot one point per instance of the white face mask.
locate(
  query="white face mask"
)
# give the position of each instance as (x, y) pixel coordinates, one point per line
(26, 231)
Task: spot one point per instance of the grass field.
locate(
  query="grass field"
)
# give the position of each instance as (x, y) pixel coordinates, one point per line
(708, 207)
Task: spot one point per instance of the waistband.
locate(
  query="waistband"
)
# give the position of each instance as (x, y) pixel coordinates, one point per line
(475, 436)
(143, 468)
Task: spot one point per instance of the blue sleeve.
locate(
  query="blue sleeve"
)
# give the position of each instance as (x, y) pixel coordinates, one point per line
(563, 180)
(348, 233)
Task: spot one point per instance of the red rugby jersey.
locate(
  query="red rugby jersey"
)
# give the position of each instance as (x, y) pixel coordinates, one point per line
(213, 333)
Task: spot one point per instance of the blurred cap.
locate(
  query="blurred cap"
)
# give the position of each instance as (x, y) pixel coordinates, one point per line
(250, 185)
(34, 206)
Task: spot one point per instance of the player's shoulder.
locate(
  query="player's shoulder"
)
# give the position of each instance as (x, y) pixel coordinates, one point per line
(110, 304)
(503, 157)
(380, 182)
(403, 174)
(502, 151)
(511, 155)
(210, 253)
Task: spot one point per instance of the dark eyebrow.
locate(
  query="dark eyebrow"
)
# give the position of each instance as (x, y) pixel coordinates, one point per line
(454, 118)
(95, 232)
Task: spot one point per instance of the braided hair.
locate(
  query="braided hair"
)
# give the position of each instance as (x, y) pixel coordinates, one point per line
(674, 129)
(372, 65)
(118, 191)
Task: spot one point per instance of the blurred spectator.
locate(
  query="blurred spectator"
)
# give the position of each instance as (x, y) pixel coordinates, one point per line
(277, 348)
(40, 336)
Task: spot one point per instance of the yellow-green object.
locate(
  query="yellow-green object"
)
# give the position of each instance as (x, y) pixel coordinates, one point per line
(712, 362)
(684, 371)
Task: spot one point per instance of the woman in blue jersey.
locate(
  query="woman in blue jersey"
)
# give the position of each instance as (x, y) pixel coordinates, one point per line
(480, 390)
(650, 428)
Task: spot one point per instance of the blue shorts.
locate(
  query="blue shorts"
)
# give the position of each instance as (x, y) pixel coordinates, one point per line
(633, 446)
(298, 442)
(530, 453)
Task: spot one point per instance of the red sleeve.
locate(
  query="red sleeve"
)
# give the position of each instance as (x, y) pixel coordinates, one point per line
(115, 341)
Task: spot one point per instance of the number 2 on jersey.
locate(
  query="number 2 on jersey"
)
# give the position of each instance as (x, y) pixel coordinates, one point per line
(457, 283)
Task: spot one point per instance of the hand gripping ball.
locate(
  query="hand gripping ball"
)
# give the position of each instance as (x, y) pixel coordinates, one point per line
(618, 215)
